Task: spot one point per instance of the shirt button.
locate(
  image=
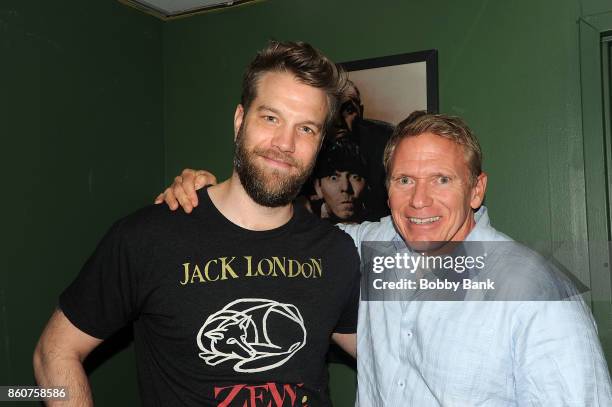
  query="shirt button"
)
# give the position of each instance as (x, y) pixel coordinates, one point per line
(409, 334)
(400, 383)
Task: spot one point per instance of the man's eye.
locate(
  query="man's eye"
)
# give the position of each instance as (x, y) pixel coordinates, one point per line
(307, 130)
(333, 178)
(443, 179)
(356, 177)
(271, 119)
(403, 180)
(348, 108)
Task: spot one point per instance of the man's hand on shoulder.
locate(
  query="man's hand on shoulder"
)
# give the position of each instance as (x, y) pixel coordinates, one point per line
(183, 190)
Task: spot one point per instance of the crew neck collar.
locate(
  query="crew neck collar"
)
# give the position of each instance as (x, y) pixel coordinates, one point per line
(208, 210)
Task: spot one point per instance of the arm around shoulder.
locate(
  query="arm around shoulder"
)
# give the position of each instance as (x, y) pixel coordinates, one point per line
(382, 230)
(58, 359)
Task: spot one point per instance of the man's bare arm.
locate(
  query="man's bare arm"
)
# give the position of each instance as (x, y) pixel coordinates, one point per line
(183, 190)
(348, 342)
(58, 360)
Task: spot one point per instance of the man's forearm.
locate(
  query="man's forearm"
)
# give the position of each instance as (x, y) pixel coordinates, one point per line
(58, 371)
(348, 342)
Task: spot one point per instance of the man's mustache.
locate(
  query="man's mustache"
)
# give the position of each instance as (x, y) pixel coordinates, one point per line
(278, 156)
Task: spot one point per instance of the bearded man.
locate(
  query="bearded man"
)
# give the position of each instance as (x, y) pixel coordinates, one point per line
(236, 304)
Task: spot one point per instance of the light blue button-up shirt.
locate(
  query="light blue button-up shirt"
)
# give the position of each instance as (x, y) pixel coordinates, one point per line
(476, 353)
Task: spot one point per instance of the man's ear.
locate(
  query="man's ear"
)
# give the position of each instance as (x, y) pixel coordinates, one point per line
(238, 117)
(317, 186)
(478, 191)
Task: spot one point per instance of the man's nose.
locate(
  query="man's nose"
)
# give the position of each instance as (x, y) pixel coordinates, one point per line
(345, 185)
(284, 139)
(421, 197)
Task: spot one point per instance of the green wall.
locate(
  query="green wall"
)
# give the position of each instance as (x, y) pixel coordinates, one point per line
(81, 122)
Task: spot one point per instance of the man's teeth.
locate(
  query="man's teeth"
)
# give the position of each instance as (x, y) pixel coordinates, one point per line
(420, 221)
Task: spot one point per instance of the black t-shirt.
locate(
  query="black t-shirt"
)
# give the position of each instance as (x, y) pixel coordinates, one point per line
(223, 316)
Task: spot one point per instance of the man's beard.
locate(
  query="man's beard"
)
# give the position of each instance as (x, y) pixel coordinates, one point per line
(271, 189)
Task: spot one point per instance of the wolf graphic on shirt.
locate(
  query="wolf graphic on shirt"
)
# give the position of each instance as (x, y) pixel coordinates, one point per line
(253, 333)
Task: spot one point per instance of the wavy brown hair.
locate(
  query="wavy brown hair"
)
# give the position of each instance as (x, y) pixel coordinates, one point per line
(309, 66)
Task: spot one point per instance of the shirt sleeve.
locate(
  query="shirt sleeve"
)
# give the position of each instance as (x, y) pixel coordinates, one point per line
(559, 358)
(347, 323)
(102, 298)
(353, 230)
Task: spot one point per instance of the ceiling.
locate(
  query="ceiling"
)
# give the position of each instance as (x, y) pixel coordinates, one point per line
(167, 9)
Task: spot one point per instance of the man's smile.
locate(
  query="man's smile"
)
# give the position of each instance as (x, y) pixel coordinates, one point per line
(424, 221)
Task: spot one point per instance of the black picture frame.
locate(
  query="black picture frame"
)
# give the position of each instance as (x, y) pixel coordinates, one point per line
(348, 182)
(429, 57)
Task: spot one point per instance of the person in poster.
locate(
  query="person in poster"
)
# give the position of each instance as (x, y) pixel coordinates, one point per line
(371, 136)
(366, 138)
(340, 183)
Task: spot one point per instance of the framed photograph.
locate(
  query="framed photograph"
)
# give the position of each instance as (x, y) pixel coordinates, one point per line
(393, 86)
(348, 182)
